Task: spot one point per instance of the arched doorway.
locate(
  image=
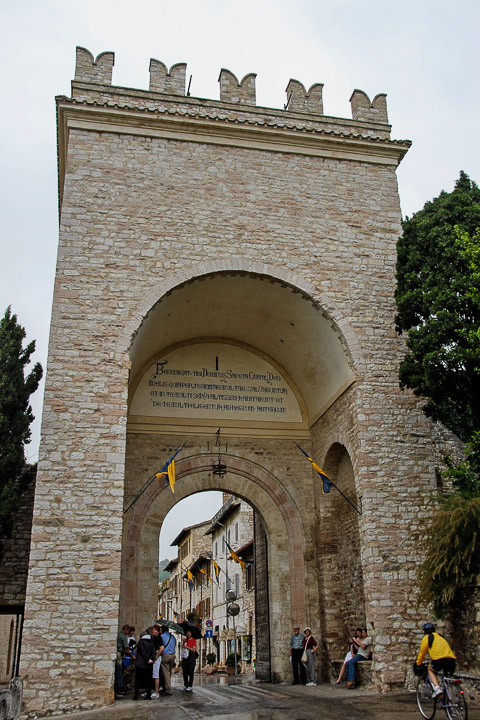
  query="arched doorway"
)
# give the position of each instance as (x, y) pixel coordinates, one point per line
(259, 357)
(281, 523)
(340, 563)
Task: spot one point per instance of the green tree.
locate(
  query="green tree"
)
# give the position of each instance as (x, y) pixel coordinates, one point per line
(465, 475)
(437, 310)
(15, 412)
(452, 558)
(438, 301)
(469, 247)
(452, 539)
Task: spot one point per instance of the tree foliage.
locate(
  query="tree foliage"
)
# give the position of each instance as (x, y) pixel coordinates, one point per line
(15, 412)
(465, 475)
(452, 561)
(436, 306)
(470, 249)
(452, 540)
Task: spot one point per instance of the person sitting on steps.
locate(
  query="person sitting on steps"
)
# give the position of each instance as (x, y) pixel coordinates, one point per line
(352, 650)
(363, 646)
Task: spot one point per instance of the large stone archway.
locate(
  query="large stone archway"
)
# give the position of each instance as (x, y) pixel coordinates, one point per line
(218, 232)
(281, 521)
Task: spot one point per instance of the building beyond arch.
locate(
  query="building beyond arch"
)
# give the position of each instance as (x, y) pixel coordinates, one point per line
(223, 265)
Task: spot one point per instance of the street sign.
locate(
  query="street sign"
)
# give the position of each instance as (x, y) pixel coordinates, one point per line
(208, 623)
(208, 633)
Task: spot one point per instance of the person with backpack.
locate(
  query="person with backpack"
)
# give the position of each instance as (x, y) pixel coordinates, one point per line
(144, 664)
(441, 656)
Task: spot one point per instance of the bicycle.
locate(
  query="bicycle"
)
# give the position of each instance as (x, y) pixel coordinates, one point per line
(452, 699)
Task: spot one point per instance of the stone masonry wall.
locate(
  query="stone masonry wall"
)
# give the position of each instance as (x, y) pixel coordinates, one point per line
(139, 208)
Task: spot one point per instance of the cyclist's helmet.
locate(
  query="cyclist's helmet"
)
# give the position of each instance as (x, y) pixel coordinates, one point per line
(428, 628)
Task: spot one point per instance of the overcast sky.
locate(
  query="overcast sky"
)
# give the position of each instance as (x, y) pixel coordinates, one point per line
(422, 53)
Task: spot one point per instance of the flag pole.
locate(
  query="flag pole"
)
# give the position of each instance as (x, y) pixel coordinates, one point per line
(359, 511)
(149, 482)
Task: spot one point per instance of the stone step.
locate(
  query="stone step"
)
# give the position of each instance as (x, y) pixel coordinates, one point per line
(363, 671)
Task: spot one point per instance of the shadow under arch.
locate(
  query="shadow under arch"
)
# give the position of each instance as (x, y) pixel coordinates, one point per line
(341, 573)
(339, 321)
(282, 524)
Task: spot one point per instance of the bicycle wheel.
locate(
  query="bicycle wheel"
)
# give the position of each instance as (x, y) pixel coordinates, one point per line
(455, 705)
(426, 703)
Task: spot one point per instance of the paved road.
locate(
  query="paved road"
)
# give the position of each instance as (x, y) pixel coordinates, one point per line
(215, 699)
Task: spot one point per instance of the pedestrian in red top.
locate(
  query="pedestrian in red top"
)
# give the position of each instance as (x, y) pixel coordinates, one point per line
(189, 660)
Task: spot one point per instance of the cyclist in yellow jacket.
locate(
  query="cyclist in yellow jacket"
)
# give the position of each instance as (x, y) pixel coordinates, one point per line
(441, 656)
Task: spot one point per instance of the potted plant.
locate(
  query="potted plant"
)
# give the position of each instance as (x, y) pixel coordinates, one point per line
(210, 668)
(230, 663)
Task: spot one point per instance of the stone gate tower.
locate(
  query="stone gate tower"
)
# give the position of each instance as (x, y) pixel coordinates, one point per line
(222, 265)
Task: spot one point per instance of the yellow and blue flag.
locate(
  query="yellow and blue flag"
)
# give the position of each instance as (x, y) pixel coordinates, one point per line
(327, 483)
(216, 568)
(204, 572)
(190, 579)
(169, 469)
(235, 556)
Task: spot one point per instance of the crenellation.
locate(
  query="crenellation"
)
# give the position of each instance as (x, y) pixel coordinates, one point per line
(163, 81)
(97, 71)
(231, 90)
(366, 111)
(299, 100)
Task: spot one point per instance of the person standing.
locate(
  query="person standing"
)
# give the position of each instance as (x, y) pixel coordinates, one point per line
(296, 652)
(144, 664)
(167, 651)
(122, 650)
(189, 659)
(311, 647)
(157, 641)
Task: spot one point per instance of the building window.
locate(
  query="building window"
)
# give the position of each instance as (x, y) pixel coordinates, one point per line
(249, 577)
(237, 584)
(236, 532)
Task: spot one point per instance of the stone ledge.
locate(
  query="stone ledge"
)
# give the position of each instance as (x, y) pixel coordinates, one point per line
(363, 671)
(471, 687)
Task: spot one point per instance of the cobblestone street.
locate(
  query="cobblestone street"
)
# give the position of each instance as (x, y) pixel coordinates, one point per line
(218, 699)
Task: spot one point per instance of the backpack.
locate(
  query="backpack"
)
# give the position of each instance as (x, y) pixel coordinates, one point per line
(431, 639)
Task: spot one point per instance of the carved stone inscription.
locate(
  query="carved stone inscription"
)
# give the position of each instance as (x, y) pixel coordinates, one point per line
(215, 380)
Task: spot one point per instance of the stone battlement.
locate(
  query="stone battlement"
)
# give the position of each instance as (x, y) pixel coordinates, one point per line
(173, 82)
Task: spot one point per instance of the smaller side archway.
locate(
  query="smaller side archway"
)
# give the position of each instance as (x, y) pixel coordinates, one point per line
(340, 568)
(281, 523)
